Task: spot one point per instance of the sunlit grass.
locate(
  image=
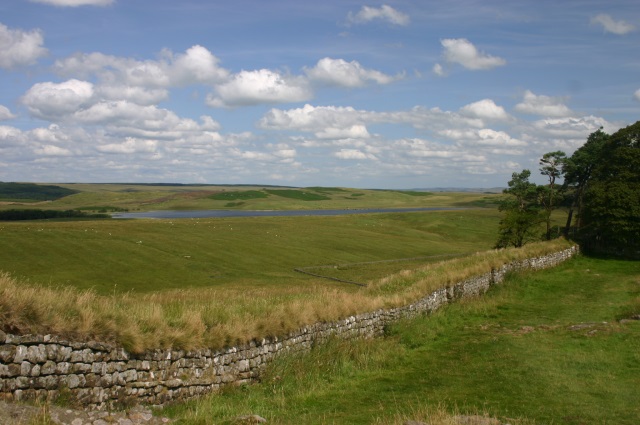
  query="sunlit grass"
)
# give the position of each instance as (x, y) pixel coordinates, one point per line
(548, 347)
(206, 317)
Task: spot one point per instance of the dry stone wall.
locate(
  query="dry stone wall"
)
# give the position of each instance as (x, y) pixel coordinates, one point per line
(97, 375)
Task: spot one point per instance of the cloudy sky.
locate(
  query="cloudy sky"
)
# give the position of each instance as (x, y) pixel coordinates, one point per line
(398, 94)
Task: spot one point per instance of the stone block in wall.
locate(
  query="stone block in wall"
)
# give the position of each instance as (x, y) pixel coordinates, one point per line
(7, 353)
(8, 385)
(49, 382)
(24, 339)
(83, 356)
(63, 368)
(113, 367)
(13, 370)
(72, 381)
(24, 382)
(80, 368)
(25, 368)
(37, 353)
(48, 368)
(35, 370)
(20, 354)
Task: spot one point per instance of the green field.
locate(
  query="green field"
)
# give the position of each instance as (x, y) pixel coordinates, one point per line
(215, 282)
(131, 197)
(153, 255)
(554, 347)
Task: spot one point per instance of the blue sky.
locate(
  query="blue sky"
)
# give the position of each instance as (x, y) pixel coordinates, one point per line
(397, 94)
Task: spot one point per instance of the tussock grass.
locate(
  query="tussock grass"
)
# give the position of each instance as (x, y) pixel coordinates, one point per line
(205, 317)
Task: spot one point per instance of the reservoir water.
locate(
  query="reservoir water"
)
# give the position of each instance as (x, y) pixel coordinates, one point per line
(173, 214)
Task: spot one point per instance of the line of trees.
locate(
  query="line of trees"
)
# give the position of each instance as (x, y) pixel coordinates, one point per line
(35, 214)
(600, 192)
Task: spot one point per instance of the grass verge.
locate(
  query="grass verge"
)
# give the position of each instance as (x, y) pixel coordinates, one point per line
(544, 348)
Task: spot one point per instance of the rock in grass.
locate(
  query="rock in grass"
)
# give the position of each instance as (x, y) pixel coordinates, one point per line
(250, 419)
(475, 420)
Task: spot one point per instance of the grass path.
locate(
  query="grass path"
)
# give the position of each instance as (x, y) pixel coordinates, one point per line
(549, 347)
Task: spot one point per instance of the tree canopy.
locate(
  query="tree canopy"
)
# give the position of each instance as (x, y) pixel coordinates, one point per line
(610, 217)
(601, 186)
(522, 212)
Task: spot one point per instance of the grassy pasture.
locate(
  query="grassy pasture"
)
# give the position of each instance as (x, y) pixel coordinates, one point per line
(219, 281)
(184, 197)
(548, 348)
(155, 255)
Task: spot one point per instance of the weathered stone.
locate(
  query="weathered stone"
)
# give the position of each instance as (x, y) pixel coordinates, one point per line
(49, 382)
(115, 367)
(7, 353)
(8, 385)
(4, 371)
(63, 368)
(35, 370)
(72, 381)
(23, 382)
(106, 381)
(13, 369)
(130, 375)
(20, 354)
(48, 368)
(475, 420)
(37, 354)
(250, 419)
(80, 368)
(25, 368)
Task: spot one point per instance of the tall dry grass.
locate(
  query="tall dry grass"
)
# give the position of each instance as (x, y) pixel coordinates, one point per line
(195, 318)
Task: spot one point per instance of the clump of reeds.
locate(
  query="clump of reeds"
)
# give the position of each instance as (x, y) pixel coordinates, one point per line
(212, 318)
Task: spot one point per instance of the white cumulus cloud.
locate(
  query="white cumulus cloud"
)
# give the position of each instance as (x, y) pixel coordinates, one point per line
(316, 119)
(610, 25)
(484, 109)
(463, 52)
(134, 94)
(52, 150)
(261, 86)
(20, 48)
(356, 131)
(346, 74)
(490, 137)
(543, 105)
(5, 113)
(51, 101)
(353, 154)
(129, 145)
(197, 65)
(438, 70)
(384, 13)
